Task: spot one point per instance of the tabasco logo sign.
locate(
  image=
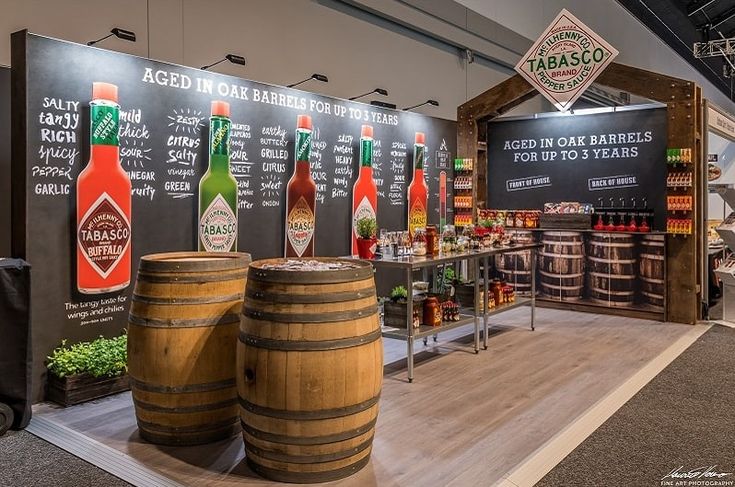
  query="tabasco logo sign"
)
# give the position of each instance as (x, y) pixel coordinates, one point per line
(565, 60)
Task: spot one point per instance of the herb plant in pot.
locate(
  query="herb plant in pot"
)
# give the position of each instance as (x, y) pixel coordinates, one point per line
(367, 229)
(87, 370)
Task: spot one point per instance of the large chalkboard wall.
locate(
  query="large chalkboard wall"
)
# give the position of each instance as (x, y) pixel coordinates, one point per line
(579, 158)
(164, 119)
(4, 161)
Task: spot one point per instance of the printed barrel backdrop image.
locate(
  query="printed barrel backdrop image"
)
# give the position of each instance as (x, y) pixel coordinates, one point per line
(309, 368)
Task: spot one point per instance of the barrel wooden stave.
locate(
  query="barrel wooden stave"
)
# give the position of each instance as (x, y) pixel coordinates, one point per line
(309, 374)
(652, 270)
(561, 265)
(182, 337)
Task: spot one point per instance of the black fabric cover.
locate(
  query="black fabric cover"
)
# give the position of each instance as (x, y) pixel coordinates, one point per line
(15, 339)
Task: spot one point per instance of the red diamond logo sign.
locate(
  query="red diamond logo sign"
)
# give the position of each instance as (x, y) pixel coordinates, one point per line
(565, 60)
(104, 235)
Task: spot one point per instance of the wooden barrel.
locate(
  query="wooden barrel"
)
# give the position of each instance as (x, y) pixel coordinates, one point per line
(611, 269)
(561, 265)
(652, 270)
(182, 338)
(309, 368)
(516, 266)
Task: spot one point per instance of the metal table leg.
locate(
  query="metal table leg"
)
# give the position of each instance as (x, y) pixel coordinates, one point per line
(533, 288)
(409, 323)
(477, 303)
(485, 301)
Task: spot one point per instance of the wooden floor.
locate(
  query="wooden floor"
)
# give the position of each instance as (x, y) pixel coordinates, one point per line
(465, 420)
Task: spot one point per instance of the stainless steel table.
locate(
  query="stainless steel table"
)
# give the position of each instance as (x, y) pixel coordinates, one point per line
(474, 257)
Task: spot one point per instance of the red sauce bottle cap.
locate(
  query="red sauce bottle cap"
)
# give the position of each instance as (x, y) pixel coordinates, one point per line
(104, 91)
(220, 109)
(367, 131)
(303, 122)
(420, 138)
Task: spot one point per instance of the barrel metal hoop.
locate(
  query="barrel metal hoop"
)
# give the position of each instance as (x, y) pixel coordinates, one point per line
(173, 278)
(204, 387)
(609, 261)
(302, 459)
(610, 275)
(197, 408)
(307, 440)
(173, 261)
(323, 317)
(305, 415)
(307, 477)
(226, 319)
(307, 346)
(197, 428)
(361, 271)
(187, 300)
(332, 297)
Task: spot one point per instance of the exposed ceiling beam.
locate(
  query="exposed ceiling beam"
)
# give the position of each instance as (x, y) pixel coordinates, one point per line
(723, 17)
(695, 7)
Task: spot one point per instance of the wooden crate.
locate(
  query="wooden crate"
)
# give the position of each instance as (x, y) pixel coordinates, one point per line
(80, 388)
(394, 314)
(571, 221)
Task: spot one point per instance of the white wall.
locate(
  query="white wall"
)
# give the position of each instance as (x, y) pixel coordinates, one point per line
(638, 46)
(725, 150)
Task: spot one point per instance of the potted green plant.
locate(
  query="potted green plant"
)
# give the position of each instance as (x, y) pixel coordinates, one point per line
(367, 229)
(87, 370)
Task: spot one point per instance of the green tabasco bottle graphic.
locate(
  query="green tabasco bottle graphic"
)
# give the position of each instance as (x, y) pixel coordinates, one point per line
(218, 188)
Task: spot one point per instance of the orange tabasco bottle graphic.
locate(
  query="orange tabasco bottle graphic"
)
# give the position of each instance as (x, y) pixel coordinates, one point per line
(365, 191)
(301, 197)
(103, 202)
(418, 192)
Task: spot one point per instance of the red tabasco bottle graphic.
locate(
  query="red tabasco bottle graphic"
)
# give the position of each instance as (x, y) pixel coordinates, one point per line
(103, 202)
(301, 197)
(418, 192)
(364, 192)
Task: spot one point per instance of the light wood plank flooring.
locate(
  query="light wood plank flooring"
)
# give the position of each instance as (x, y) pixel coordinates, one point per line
(466, 420)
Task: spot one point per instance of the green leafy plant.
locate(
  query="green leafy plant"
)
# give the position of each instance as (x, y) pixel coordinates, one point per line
(103, 357)
(398, 292)
(367, 227)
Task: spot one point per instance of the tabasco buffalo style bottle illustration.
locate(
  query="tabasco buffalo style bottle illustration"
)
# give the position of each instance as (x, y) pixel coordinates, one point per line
(218, 188)
(301, 197)
(103, 202)
(418, 192)
(364, 192)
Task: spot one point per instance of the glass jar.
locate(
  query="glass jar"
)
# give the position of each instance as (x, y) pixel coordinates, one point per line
(419, 242)
(432, 312)
(432, 240)
(497, 290)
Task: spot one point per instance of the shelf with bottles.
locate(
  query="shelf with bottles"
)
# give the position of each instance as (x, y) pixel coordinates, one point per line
(463, 182)
(679, 203)
(463, 219)
(624, 217)
(679, 156)
(679, 226)
(464, 164)
(463, 202)
(679, 180)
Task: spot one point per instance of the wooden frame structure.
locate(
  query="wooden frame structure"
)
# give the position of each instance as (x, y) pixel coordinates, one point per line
(684, 105)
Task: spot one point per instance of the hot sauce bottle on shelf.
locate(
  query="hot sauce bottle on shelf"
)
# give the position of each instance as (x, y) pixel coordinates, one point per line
(418, 192)
(103, 202)
(365, 191)
(218, 188)
(301, 197)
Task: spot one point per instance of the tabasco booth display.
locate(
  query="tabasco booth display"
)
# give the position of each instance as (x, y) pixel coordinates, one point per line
(365, 191)
(301, 197)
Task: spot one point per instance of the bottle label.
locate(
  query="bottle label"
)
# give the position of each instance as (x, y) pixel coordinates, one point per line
(218, 226)
(418, 157)
(416, 216)
(363, 210)
(105, 124)
(104, 235)
(303, 144)
(366, 152)
(219, 136)
(300, 226)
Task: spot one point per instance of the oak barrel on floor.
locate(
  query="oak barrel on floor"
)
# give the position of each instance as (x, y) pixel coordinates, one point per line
(561, 265)
(652, 270)
(310, 368)
(182, 340)
(516, 266)
(611, 269)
